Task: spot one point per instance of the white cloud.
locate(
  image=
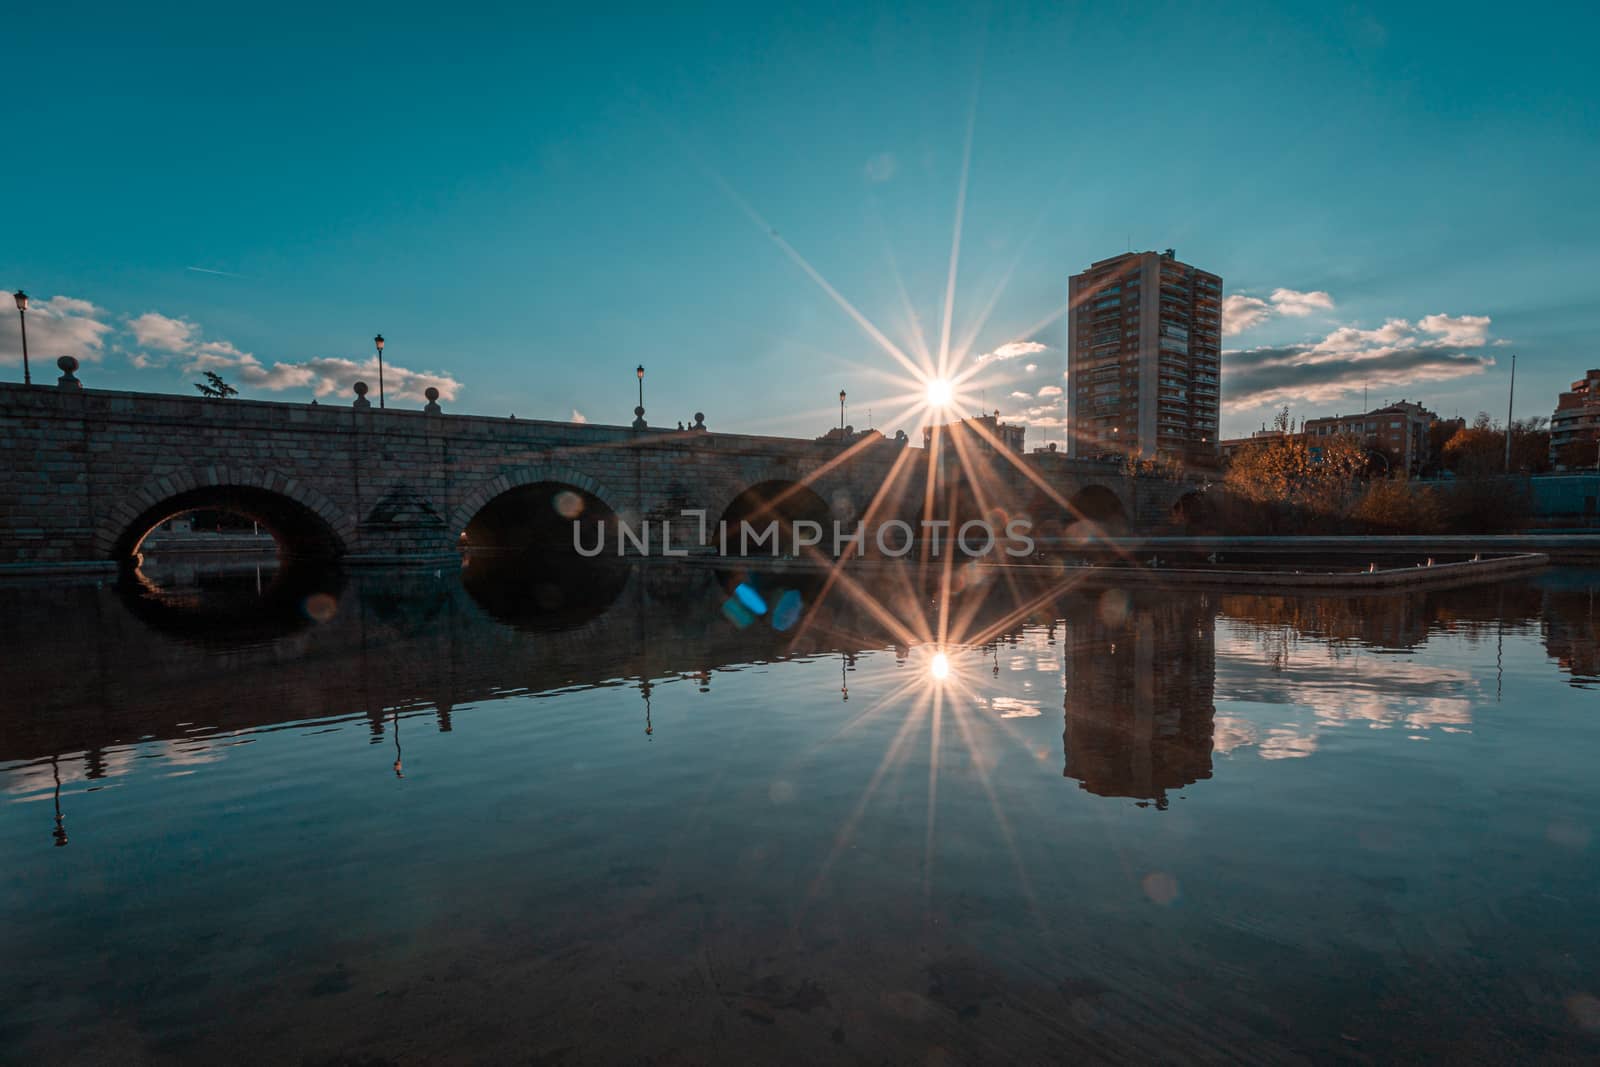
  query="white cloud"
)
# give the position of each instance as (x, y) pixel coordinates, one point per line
(1298, 304)
(1013, 349)
(1394, 356)
(1050, 390)
(1467, 331)
(1240, 313)
(154, 330)
(179, 341)
(1019, 395)
(881, 167)
(59, 326)
(578, 416)
(1348, 339)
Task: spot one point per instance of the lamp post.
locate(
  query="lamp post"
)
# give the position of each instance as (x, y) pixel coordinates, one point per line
(378, 340)
(1511, 401)
(22, 317)
(638, 412)
(841, 412)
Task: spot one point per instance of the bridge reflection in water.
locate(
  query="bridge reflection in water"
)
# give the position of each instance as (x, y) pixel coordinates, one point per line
(185, 649)
(385, 813)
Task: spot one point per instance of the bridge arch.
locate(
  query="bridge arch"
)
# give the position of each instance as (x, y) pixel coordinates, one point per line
(1098, 506)
(786, 500)
(1193, 512)
(303, 521)
(557, 474)
(535, 499)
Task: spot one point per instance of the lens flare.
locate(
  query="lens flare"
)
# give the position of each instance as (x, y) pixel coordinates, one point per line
(939, 667)
(940, 393)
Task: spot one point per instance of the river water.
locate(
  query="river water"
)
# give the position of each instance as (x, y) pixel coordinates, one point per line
(667, 814)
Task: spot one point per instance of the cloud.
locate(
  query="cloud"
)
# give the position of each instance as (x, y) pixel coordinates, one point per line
(1011, 350)
(1240, 313)
(1467, 331)
(1050, 390)
(60, 326)
(1019, 395)
(1351, 339)
(578, 416)
(881, 167)
(179, 342)
(1397, 354)
(1291, 302)
(154, 330)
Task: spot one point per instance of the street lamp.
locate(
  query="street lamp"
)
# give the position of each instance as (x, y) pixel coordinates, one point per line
(378, 340)
(22, 307)
(638, 412)
(841, 411)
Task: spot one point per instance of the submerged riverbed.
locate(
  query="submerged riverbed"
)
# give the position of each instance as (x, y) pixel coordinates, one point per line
(666, 814)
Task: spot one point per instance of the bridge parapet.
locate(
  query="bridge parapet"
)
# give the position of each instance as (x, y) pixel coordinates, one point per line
(88, 472)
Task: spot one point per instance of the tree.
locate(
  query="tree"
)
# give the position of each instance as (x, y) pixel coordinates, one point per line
(1479, 450)
(1395, 506)
(1530, 444)
(1293, 486)
(215, 387)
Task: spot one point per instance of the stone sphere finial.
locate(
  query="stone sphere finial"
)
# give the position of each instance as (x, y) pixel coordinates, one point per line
(68, 380)
(431, 393)
(361, 395)
(432, 407)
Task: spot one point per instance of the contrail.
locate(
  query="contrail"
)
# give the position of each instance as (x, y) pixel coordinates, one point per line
(208, 270)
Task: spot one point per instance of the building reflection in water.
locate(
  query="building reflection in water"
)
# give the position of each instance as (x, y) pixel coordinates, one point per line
(1571, 630)
(180, 672)
(1140, 677)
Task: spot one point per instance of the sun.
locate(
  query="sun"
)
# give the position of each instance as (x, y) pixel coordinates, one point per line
(940, 393)
(939, 667)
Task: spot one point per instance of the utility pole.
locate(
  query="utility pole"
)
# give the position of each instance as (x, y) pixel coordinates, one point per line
(1510, 401)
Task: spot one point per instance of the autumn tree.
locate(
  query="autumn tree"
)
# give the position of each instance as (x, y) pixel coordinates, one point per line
(1292, 486)
(1479, 450)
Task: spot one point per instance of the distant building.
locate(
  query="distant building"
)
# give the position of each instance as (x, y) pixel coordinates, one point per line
(1230, 446)
(1143, 347)
(978, 434)
(1399, 431)
(1575, 426)
(849, 435)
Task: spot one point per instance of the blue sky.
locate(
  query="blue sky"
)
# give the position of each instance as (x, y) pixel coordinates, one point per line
(528, 204)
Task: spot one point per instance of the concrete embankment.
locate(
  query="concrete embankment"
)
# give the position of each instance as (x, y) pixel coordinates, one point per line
(1561, 548)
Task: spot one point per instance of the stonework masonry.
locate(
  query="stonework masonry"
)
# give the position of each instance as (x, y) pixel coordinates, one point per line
(84, 473)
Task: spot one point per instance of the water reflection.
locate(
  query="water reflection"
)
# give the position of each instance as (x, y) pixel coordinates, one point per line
(825, 828)
(206, 655)
(542, 591)
(223, 605)
(1140, 674)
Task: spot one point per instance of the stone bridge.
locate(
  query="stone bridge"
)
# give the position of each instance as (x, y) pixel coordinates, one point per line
(88, 473)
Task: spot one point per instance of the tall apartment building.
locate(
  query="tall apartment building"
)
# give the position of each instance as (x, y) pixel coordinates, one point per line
(1144, 336)
(1575, 426)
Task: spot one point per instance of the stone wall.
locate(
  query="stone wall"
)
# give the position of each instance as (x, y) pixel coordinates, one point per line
(85, 472)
